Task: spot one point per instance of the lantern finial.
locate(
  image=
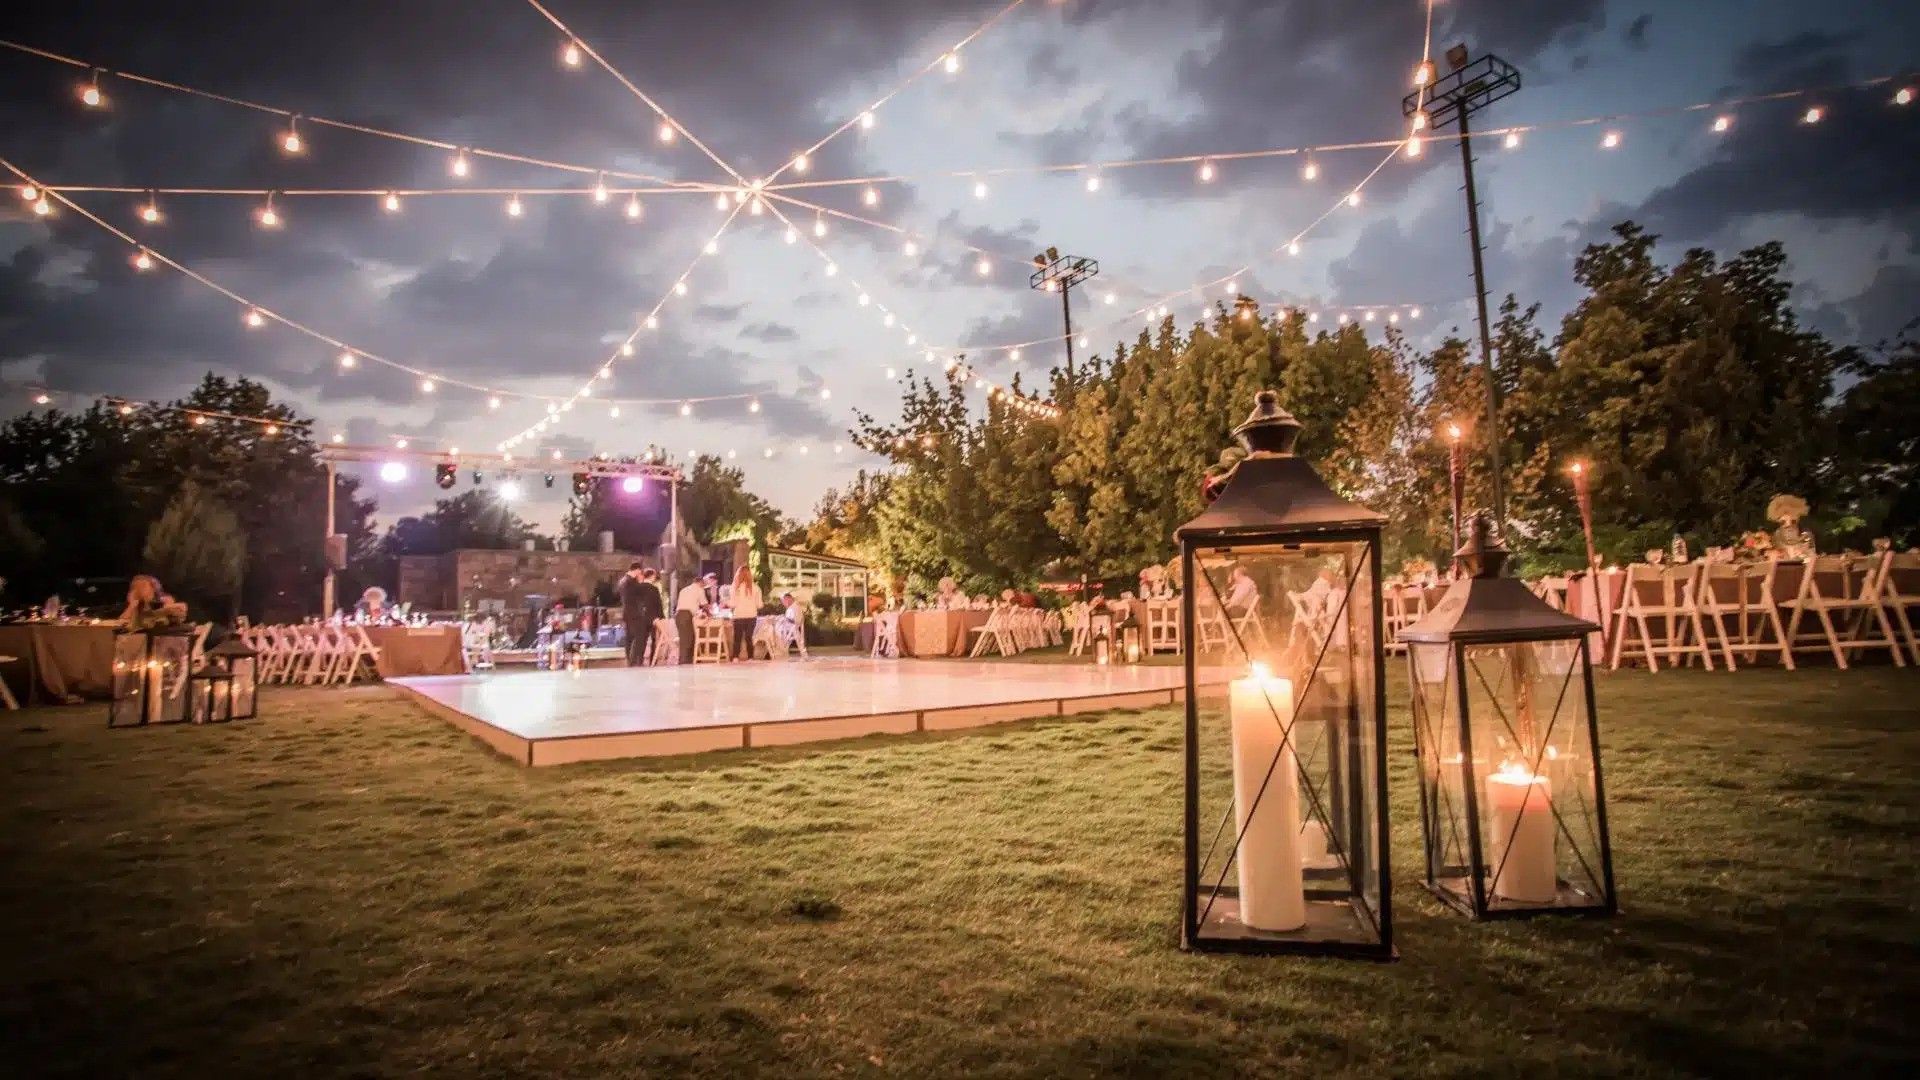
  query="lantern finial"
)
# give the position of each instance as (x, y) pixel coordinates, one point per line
(1483, 555)
(1269, 429)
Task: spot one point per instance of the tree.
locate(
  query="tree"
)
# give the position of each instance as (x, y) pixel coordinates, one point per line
(1879, 475)
(198, 549)
(471, 519)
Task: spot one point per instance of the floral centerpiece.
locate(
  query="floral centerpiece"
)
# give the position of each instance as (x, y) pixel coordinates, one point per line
(1788, 511)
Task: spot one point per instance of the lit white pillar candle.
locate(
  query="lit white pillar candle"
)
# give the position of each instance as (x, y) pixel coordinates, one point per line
(1272, 893)
(1520, 849)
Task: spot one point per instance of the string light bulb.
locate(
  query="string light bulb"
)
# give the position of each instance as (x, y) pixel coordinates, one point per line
(254, 318)
(910, 249)
(951, 62)
(1610, 140)
(833, 268)
(1353, 197)
(870, 197)
(291, 141)
(142, 260)
(819, 225)
(1413, 314)
(28, 193)
(791, 235)
(90, 94)
(866, 120)
(1310, 171)
(1722, 123)
(979, 189)
(712, 248)
(983, 267)
(493, 403)
(1512, 141)
(348, 360)
(825, 393)
(666, 132)
(1903, 96)
(391, 203)
(613, 411)
(458, 166)
(1420, 120)
(1013, 354)
(600, 192)
(42, 207)
(801, 163)
(680, 287)
(1413, 146)
(1813, 115)
(427, 386)
(570, 55)
(686, 409)
(269, 217)
(1423, 73)
(720, 201)
(1093, 182)
(199, 420)
(753, 406)
(633, 208)
(150, 213)
(514, 209)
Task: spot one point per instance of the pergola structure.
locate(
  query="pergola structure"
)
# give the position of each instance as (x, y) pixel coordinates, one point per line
(847, 581)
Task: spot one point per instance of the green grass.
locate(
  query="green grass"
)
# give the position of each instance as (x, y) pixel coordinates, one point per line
(348, 886)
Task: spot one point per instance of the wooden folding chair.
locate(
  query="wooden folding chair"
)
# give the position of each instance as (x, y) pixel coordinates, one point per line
(886, 635)
(1737, 606)
(1900, 595)
(1849, 588)
(990, 633)
(1659, 604)
(709, 641)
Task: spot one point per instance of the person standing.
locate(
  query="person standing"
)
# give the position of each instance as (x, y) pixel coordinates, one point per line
(691, 602)
(653, 601)
(746, 611)
(633, 613)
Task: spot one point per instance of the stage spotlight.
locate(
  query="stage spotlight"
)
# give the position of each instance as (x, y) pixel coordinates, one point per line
(547, 478)
(632, 484)
(509, 490)
(478, 478)
(393, 472)
(445, 475)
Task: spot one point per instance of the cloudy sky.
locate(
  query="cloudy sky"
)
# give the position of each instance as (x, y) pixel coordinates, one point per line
(534, 304)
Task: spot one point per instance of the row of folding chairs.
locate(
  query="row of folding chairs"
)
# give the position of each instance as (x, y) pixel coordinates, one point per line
(313, 654)
(1010, 630)
(1838, 605)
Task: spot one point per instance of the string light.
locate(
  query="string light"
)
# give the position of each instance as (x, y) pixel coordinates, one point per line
(666, 132)
(199, 421)
(825, 393)
(819, 225)
(910, 249)
(1310, 171)
(1207, 172)
(791, 235)
(514, 209)
(28, 193)
(832, 269)
(1353, 197)
(348, 360)
(866, 120)
(1722, 122)
(983, 267)
(1093, 182)
(1414, 314)
(41, 399)
(1423, 74)
(1512, 141)
(1013, 354)
(1420, 120)
(391, 203)
(1610, 140)
(712, 248)
(800, 163)
(269, 217)
(427, 386)
(754, 405)
(680, 287)
(142, 260)
(459, 166)
(254, 318)
(290, 142)
(600, 193)
(979, 189)
(150, 213)
(1903, 96)
(570, 55)
(686, 409)
(952, 63)
(633, 208)
(1413, 146)
(493, 403)
(870, 197)
(399, 444)
(1813, 115)
(653, 322)
(90, 94)
(42, 207)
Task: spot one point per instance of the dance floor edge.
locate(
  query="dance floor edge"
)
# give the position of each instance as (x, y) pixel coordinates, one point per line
(558, 717)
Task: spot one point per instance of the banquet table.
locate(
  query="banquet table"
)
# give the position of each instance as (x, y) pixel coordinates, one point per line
(418, 650)
(58, 661)
(939, 633)
(1581, 593)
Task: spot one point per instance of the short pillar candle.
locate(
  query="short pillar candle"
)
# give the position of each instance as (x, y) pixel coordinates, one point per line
(1520, 806)
(1272, 889)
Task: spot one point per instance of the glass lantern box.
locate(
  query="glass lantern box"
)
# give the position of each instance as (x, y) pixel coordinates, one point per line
(227, 688)
(1511, 801)
(1286, 811)
(150, 677)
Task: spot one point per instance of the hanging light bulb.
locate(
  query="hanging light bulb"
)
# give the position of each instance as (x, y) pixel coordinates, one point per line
(910, 249)
(653, 322)
(739, 196)
(570, 55)
(633, 208)
(1207, 172)
(600, 192)
(613, 411)
(29, 193)
(269, 217)
(41, 399)
(427, 386)
(42, 207)
(791, 235)
(142, 260)
(1369, 316)
(1353, 197)
(686, 409)
(913, 339)
(887, 321)
(666, 132)
(1233, 286)
(1420, 120)
(801, 163)
(1093, 183)
(825, 393)
(290, 142)
(712, 248)
(458, 166)
(891, 373)
(150, 213)
(863, 300)
(493, 403)
(391, 203)
(979, 189)
(1413, 146)
(757, 207)
(1423, 74)
(1813, 115)
(819, 225)
(1013, 353)
(348, 360)
(1414, 314)
(514, 209)
(1393, 316)
(952, 62)
(1512, 141)
(866, 120)
(870, 197)
(199, 420)
(754, 405)
(1903, 96)
(254, 318)
(1610, 140)
(1111, 297)
(680, 287)
(1083, 341)
(1722, 123)
(833, 269)
(1311, 171)
(626, 349)
(983, 267)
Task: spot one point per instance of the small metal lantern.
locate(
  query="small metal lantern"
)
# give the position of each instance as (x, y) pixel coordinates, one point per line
(150, 676)
(1130, 648)
(1100, 626)
(1511, 800)
(1286, 798)
(236, 666)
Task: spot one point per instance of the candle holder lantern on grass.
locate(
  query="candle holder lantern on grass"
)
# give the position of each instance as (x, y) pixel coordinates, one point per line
(1511, 801)
(1286, 808)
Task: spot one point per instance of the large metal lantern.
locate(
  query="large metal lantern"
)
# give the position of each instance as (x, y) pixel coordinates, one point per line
(1286, 796)
(1511, 799)
(150, 676)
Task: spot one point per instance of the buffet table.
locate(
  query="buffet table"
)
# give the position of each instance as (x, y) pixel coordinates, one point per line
(418, 650)
(57, 662)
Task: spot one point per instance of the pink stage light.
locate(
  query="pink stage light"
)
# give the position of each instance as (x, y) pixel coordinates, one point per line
(632, 484)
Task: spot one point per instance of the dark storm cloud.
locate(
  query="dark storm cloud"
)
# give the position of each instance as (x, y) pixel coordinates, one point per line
(1635, 35)
(769, 332)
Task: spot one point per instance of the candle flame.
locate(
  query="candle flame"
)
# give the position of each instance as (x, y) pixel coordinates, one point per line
(1515, 772)
(1259, 670)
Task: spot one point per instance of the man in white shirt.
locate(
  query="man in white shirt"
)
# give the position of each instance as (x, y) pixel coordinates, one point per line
(692, 601)
(1242, 594)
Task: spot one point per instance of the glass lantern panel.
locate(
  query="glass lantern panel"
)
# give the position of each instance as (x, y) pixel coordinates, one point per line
(1531, 731)
(1443, 775)
(1288, 818)
(244, 686)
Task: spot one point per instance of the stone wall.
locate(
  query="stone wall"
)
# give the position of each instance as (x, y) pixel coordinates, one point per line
(469, 576)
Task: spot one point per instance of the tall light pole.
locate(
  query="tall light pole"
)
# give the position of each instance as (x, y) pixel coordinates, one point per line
(1456, 487)
(1054, 272)
(1469, 87)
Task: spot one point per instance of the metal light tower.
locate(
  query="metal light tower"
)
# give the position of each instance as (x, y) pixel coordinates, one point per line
(1469, 87)
(1054, 272)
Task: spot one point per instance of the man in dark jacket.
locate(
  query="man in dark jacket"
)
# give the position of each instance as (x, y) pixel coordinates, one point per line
(640, 605)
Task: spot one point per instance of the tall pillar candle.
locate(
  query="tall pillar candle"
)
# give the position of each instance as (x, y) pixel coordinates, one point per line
(1520, 849)
(1272, 890)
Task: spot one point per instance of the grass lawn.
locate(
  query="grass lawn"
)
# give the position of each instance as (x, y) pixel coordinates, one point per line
(348, 886)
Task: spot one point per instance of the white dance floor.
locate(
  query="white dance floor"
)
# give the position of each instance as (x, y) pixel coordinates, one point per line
(555, 717)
